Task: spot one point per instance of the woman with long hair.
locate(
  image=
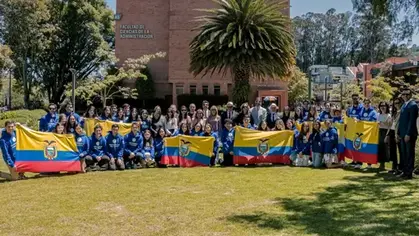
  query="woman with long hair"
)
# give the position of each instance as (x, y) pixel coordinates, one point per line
(134, 116)
(312, 114)
(59, 129)
(303, 146)
(171, 121)
(286, 114)
(183, 129)
(147, 153)
(120, 117)
(157, 120)
(208, 132)
(244, 111)
(183, 116)
(158, 143)
(279, 125)
(82, 142)
(106, 114)
(90, 112)
(215, 120)
(192, 111)
(71, 124)
(199, 118)
(316, 144)
(263, 126)
(145, 122)
(385, 121)
(391, 137)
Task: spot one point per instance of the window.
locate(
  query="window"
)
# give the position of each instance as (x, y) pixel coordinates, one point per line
(205, 89)
(179, 89)
(192, 89)
(217, 90)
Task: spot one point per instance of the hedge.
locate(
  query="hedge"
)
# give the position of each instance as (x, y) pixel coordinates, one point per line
(28, 117)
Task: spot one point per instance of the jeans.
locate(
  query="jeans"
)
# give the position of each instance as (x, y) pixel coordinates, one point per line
(317, 159)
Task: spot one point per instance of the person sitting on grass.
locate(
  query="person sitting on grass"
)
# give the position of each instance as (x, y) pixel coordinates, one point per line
(8, 149)
(208, 132)
(133, 144)
(330, 144)
(82, 142)
(147, 152)
(303, 146)
(227, 140)
(96, 159)
(115, 149)
(158, 144)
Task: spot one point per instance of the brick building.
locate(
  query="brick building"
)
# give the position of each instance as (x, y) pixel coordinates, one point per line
(146, 27)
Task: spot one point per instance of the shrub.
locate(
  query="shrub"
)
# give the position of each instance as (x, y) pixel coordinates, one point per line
(28, 117)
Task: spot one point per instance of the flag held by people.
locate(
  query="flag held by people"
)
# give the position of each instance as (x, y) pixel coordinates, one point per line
(171, 151)
(89, 125)
(252, 147)
(45, 152)
(195, 151)
(361, 141)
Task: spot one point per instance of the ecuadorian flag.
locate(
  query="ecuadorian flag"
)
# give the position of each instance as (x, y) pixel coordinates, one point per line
(89, 126)
(341, 136)
(171, 151)
(251, 146)
(361, 141)
(195, 151)
(45, 152)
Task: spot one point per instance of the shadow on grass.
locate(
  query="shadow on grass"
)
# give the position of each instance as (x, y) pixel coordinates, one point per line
(366, 205)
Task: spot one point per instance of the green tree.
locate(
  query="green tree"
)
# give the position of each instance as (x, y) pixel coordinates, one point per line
(249, 38)
(107, 82)
(381, 90)
(345, 94)
(297, 86)
(6, 63)
(145, 86)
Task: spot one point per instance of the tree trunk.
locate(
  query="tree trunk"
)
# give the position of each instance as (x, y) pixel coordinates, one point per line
(241, 89)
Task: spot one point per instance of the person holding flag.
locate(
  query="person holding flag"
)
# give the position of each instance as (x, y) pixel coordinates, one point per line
(8, 149)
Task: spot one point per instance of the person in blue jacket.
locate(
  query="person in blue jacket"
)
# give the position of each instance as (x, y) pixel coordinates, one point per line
(8, 149)
(97, 159)
(316, 145)
(337, 116)
(69, 111)
(302, 146)
(145, 121)
(311, 115)
(208, 132)
(354, 111)
(133, 144)
(82, 142)
(330, 144)
(120, 117)
(115, 149)
(197, 130)
(71, 124)
(147, 152)
(227, 140)
(290, 126)
(158, 143)
(326, 114)
(183, 130)
(47, 123)
(106, 114)
(368, 113)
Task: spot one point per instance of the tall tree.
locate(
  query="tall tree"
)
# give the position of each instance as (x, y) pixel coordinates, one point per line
(250, 38)
(297, 86)
(381, 90)
(6, 63)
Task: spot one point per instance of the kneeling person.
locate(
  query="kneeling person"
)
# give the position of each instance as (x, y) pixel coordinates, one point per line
(115, 148)
(96, 159)
(8, 149)
(133, 144)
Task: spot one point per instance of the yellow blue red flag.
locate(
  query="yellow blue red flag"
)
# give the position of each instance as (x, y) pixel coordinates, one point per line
(45, 152)
(361, 141)
(195, 151)
(341, 136)
(89, 125)
(171, 151)
(251, 146)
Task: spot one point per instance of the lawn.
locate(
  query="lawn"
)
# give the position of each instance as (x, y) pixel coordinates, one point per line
(212, 201)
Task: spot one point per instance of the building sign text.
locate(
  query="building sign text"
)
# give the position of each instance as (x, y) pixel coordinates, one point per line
(134, 32)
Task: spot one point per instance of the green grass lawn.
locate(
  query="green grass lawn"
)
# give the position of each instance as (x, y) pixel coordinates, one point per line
(211, 201)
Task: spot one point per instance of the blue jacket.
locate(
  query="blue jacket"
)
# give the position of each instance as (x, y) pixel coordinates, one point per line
(368, 114)
(337, 119)
(330, 141)
(47, 123)
(306, 118)
(178, 132)
(407, 122)
(75, 115)
(82, 142)
(316, 142)
(114, 145)
(8, 147)
(145, 125)
(294, 146)
(324, 115)
(227, 139)
(158, 144)
(194, 133)
(149, 149)
(103, 117)
(354, 112)
(216, 144)
(249, 126)
(116, 119)
(302, 145)
(97, 147)
(133, 143)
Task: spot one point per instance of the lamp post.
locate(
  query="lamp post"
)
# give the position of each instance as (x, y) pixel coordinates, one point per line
(73, 95)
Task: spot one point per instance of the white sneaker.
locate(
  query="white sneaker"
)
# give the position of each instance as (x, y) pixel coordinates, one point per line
(357, 166)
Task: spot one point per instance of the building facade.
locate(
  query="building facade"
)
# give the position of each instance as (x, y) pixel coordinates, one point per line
(150, 26)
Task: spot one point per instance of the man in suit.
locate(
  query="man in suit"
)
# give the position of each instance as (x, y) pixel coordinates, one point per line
(272, 116)
(408, 133)
(230, 114)
(257, 113)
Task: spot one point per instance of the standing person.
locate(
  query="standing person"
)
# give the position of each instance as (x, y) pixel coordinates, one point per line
(106, 114)
(257, 113)
(192, 111)
(272, 116)
(133, 144)
(114, 110)
(326, 114)
(82, 142)
(244, 111)
(368, 113)
(385, 122)
(171, 122)
(70, 111)
(120, 117)
(199, 119)
(90, 112)
(183, 116)
(145, 121)
(147, 152)
(215, 120)
(157, 120)
(230, 114)
(208, 132)
(316, 145)
(290, 126)
(330, 144)
(206, 109)
(311, 115)
(115, 149)
(96, 159)
(71, 124)
(408, 132)
(227, 139)
(355, 110)
(127, 110)
(286, 114)
(303, 146)
(173, 108)
(305, 109)
(158, 143)
(48, 122)
(393, 143)
(8, 149)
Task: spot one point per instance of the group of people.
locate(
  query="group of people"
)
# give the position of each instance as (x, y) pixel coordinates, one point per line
(144, 145)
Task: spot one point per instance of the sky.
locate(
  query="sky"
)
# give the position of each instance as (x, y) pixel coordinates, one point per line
(300, 7)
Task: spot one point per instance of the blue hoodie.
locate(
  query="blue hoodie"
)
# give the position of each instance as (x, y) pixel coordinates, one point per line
(324, 115)
(368, 114)
(114, 145)
(354, 112)
(103, 117)
(145, 125)
(178, 132)
(194, 133)
(133, 143)
(97, 147)
(8, 147)
(316, 142)
(330, 141)
(48, 122)
(337, 119)
(296, 133)
(227, 139)
(249, 126)
(82, 142)
(302, 145)
(158, 146)
(148, 147)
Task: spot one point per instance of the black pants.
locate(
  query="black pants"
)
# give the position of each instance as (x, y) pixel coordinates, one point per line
(228, 159)
(408, 155)
(393, 146)
(212, 160)
(103, 163)
(134, 160)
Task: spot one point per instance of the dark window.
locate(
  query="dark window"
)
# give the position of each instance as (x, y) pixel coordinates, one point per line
(217, 90)
(192, 89)
(205, 89)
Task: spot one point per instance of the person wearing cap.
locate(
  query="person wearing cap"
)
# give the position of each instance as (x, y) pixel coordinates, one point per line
(230, 114)
(272, 116)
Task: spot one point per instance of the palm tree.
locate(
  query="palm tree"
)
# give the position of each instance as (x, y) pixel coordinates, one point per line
(249, 38)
